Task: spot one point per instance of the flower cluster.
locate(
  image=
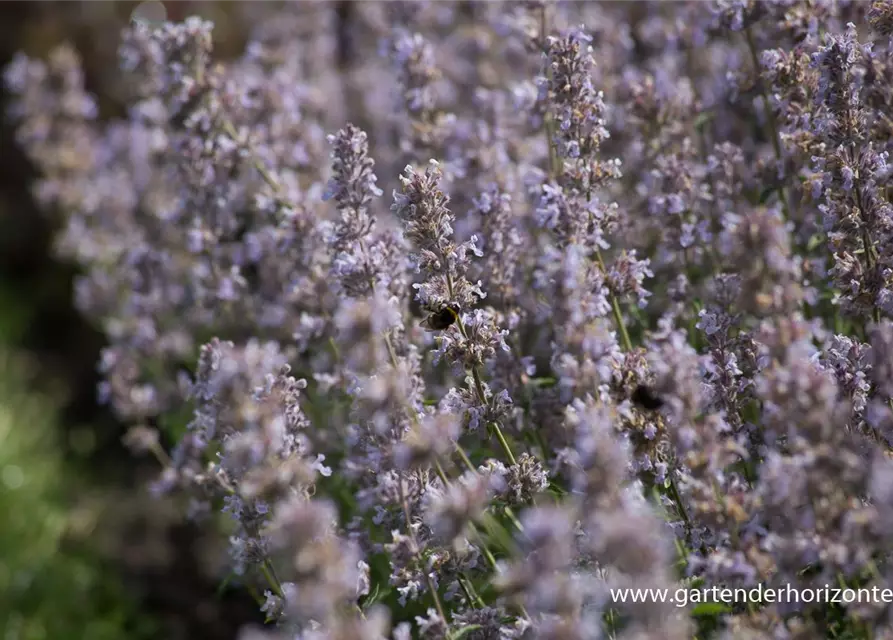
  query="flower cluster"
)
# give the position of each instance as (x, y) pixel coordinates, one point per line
(524, 379)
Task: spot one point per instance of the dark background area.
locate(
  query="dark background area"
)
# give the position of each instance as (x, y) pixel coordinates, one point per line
(148, 551)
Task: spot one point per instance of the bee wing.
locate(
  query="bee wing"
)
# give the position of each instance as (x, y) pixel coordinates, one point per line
(426, 323)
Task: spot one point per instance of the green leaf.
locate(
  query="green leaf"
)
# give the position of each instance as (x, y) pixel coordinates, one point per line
(464, 631)
(693, 582)
(814, 241)
(706, 609)
(765, 193)
(702, 119)
(221, 588)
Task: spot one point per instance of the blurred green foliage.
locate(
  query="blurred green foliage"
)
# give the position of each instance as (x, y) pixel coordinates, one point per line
(52, 584)
(61, 463)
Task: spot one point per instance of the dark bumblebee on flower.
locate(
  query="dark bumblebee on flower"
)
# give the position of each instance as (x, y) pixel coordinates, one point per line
(646, 398)
(442, 319)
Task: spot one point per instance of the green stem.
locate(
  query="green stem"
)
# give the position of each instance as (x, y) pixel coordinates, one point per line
(465, 458)
(483, 543)
(514, 520)
(230, 130)
(258, 598)
(267, 570)
(628, 346)
(470, 592)
(677, 498)
(549, 125)
(504, 443)
(266, 567)
(615, 306)
(478, 384)
(867, 244)
(770, 116)
(430, 583)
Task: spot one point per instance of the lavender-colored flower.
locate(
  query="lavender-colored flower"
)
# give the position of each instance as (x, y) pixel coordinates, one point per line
(428, 223)
(451, 510)
(490, 409)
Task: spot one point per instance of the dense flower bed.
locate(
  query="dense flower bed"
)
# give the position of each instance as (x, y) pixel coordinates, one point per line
(466, 313)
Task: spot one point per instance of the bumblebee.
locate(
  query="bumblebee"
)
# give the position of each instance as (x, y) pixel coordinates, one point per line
(645, 397)
(440, 320)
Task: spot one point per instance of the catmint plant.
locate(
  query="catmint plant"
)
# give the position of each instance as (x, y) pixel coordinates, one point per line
(621, 323)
